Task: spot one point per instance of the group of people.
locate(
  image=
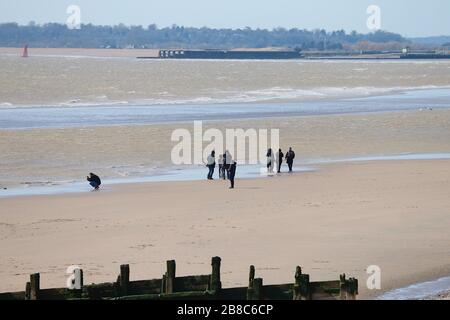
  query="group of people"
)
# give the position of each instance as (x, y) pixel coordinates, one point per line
(278, 160)
(227, 166)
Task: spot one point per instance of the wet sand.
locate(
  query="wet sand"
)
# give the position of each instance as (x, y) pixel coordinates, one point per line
(342, 218)
(42, 156)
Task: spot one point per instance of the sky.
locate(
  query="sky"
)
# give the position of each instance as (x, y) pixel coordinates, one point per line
(411, 18)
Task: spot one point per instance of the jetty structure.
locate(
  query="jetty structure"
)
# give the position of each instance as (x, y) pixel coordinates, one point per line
(235, 54)
(294, 54)
(198, 287)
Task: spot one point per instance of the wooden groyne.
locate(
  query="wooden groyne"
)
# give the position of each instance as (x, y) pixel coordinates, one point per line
(200, 287)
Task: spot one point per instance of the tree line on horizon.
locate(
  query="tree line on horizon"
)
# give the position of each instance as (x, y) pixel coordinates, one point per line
(122, 36)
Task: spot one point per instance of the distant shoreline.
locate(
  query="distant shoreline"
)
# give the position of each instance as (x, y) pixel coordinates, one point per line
(154, 54)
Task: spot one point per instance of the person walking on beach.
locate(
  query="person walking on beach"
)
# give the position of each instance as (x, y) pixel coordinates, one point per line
(211, 164)
(280, 157)
(290, 156)
(232, 173)
(227, 162)
(94, 181)
(224, 165)
(221, 171)
(270, 160)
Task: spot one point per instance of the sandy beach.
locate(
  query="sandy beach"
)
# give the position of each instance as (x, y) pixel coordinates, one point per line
(341, 218)
(336, 218)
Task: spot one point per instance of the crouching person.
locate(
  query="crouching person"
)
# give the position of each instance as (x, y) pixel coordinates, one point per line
(94, 181)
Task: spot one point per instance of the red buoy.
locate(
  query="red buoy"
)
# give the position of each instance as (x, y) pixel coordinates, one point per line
(25, 52)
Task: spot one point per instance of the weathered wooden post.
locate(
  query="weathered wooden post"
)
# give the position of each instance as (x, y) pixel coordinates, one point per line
(257, 289)
(27, 291)
(301, 287)
(251, 280)
(215, 284)
(343, 287)
(352, 288)
(163, 284)
(298, 273)
(170, 276)
(34, 286)
(124, 279)
(305, 291)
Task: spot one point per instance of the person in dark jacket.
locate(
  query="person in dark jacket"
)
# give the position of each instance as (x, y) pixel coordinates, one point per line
(232, 171)
(280, 157)
(290, 156)
(94, 181)
(224, 166)
(227, 162)
(211, 165)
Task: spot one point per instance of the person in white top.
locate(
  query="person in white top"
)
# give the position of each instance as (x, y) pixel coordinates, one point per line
(221, 168)
(270, 160)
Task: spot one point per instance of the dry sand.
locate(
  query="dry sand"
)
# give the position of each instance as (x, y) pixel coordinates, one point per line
(341, 218)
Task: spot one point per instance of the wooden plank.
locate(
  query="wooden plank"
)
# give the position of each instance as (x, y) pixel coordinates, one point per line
(13, 295)
(124, 279)
(279, 292)
(196, 295)
(58, 294)
(101, 290)
(144, 287)
(192, 283)
(233, 293)
(257, 289)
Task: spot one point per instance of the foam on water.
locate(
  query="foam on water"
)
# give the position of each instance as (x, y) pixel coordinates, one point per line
(280, 94)
(418, 291)
(403, 156)
(76, 114)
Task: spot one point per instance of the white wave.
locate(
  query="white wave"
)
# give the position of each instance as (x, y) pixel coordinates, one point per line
(80, 103)
(360, 69)
(250, 96)
(275, 94)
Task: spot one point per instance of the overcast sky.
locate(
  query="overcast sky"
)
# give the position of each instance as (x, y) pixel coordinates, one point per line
(407, 17)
